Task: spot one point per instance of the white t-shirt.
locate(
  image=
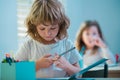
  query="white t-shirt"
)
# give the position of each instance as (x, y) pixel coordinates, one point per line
(89, 58)
(33, 50)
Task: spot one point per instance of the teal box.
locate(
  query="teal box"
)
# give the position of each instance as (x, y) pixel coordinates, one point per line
(25, 71)
(8, 72)
(0, 72)
(17, 71)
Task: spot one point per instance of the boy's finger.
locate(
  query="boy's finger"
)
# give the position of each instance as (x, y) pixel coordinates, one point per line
(47, 55)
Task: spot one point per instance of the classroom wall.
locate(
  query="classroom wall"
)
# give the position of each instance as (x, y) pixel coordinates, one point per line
(8, 26)
(106, 12)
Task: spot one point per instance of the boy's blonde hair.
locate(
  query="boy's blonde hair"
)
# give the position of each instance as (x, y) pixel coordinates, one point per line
(86, 25)
(43, 11)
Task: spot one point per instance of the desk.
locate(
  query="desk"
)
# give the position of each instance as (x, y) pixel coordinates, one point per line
(79, 79)
(113, 70)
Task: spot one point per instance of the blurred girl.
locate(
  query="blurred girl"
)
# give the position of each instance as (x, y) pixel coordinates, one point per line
(90, 37)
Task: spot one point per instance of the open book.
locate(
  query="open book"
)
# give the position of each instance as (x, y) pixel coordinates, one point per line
(74, 76)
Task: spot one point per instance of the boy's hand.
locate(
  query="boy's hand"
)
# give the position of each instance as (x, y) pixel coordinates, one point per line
(45, 61)
(61, 62)
(56, 57)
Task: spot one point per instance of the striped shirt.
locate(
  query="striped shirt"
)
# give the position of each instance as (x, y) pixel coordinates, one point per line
(33, 50)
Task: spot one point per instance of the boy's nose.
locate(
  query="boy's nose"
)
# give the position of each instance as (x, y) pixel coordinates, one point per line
(48, 33)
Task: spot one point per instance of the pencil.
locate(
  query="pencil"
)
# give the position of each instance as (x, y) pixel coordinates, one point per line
(63, 54)
(67, 51)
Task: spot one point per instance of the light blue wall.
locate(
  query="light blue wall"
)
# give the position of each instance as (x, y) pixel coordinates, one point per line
(106, 12)
(8, 26)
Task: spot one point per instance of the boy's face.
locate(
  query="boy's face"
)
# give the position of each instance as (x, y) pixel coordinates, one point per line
(89, 35)
(48, 32)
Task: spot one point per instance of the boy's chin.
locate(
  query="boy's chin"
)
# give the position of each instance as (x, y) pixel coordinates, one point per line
(49, 40)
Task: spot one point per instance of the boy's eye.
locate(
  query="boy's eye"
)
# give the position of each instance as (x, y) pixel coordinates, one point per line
(53, 28)
(42, 28)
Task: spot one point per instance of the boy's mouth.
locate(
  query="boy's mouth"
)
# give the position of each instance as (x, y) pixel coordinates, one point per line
(48, 37)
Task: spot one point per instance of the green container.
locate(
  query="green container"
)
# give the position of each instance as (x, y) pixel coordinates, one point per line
(0, 72)
(8, 72)
(17, 71)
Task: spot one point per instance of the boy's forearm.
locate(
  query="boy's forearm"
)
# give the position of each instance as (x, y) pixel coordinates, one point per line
(71, 69)
(37, 65)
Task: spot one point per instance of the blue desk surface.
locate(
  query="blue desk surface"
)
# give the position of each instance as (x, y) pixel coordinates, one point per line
(79, 79)
(63, 79)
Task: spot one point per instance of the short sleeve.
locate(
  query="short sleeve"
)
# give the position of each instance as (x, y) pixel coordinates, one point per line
(74, 56)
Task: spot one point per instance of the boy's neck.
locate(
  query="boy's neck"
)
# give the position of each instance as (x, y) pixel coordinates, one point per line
(49, 42)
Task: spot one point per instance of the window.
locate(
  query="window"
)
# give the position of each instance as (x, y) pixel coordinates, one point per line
(23, 7)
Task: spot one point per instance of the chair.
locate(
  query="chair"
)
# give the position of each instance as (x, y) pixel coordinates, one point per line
(103, 73)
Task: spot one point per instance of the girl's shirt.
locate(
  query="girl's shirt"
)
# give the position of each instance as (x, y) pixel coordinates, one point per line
(89, 58)
(33, 50)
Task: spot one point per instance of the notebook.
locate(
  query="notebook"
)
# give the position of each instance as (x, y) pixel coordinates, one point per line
(74, 76)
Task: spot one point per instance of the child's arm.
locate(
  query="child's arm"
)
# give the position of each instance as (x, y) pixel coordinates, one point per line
(44, 62)
(73, 68)
(65, 65)
(106, 53)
